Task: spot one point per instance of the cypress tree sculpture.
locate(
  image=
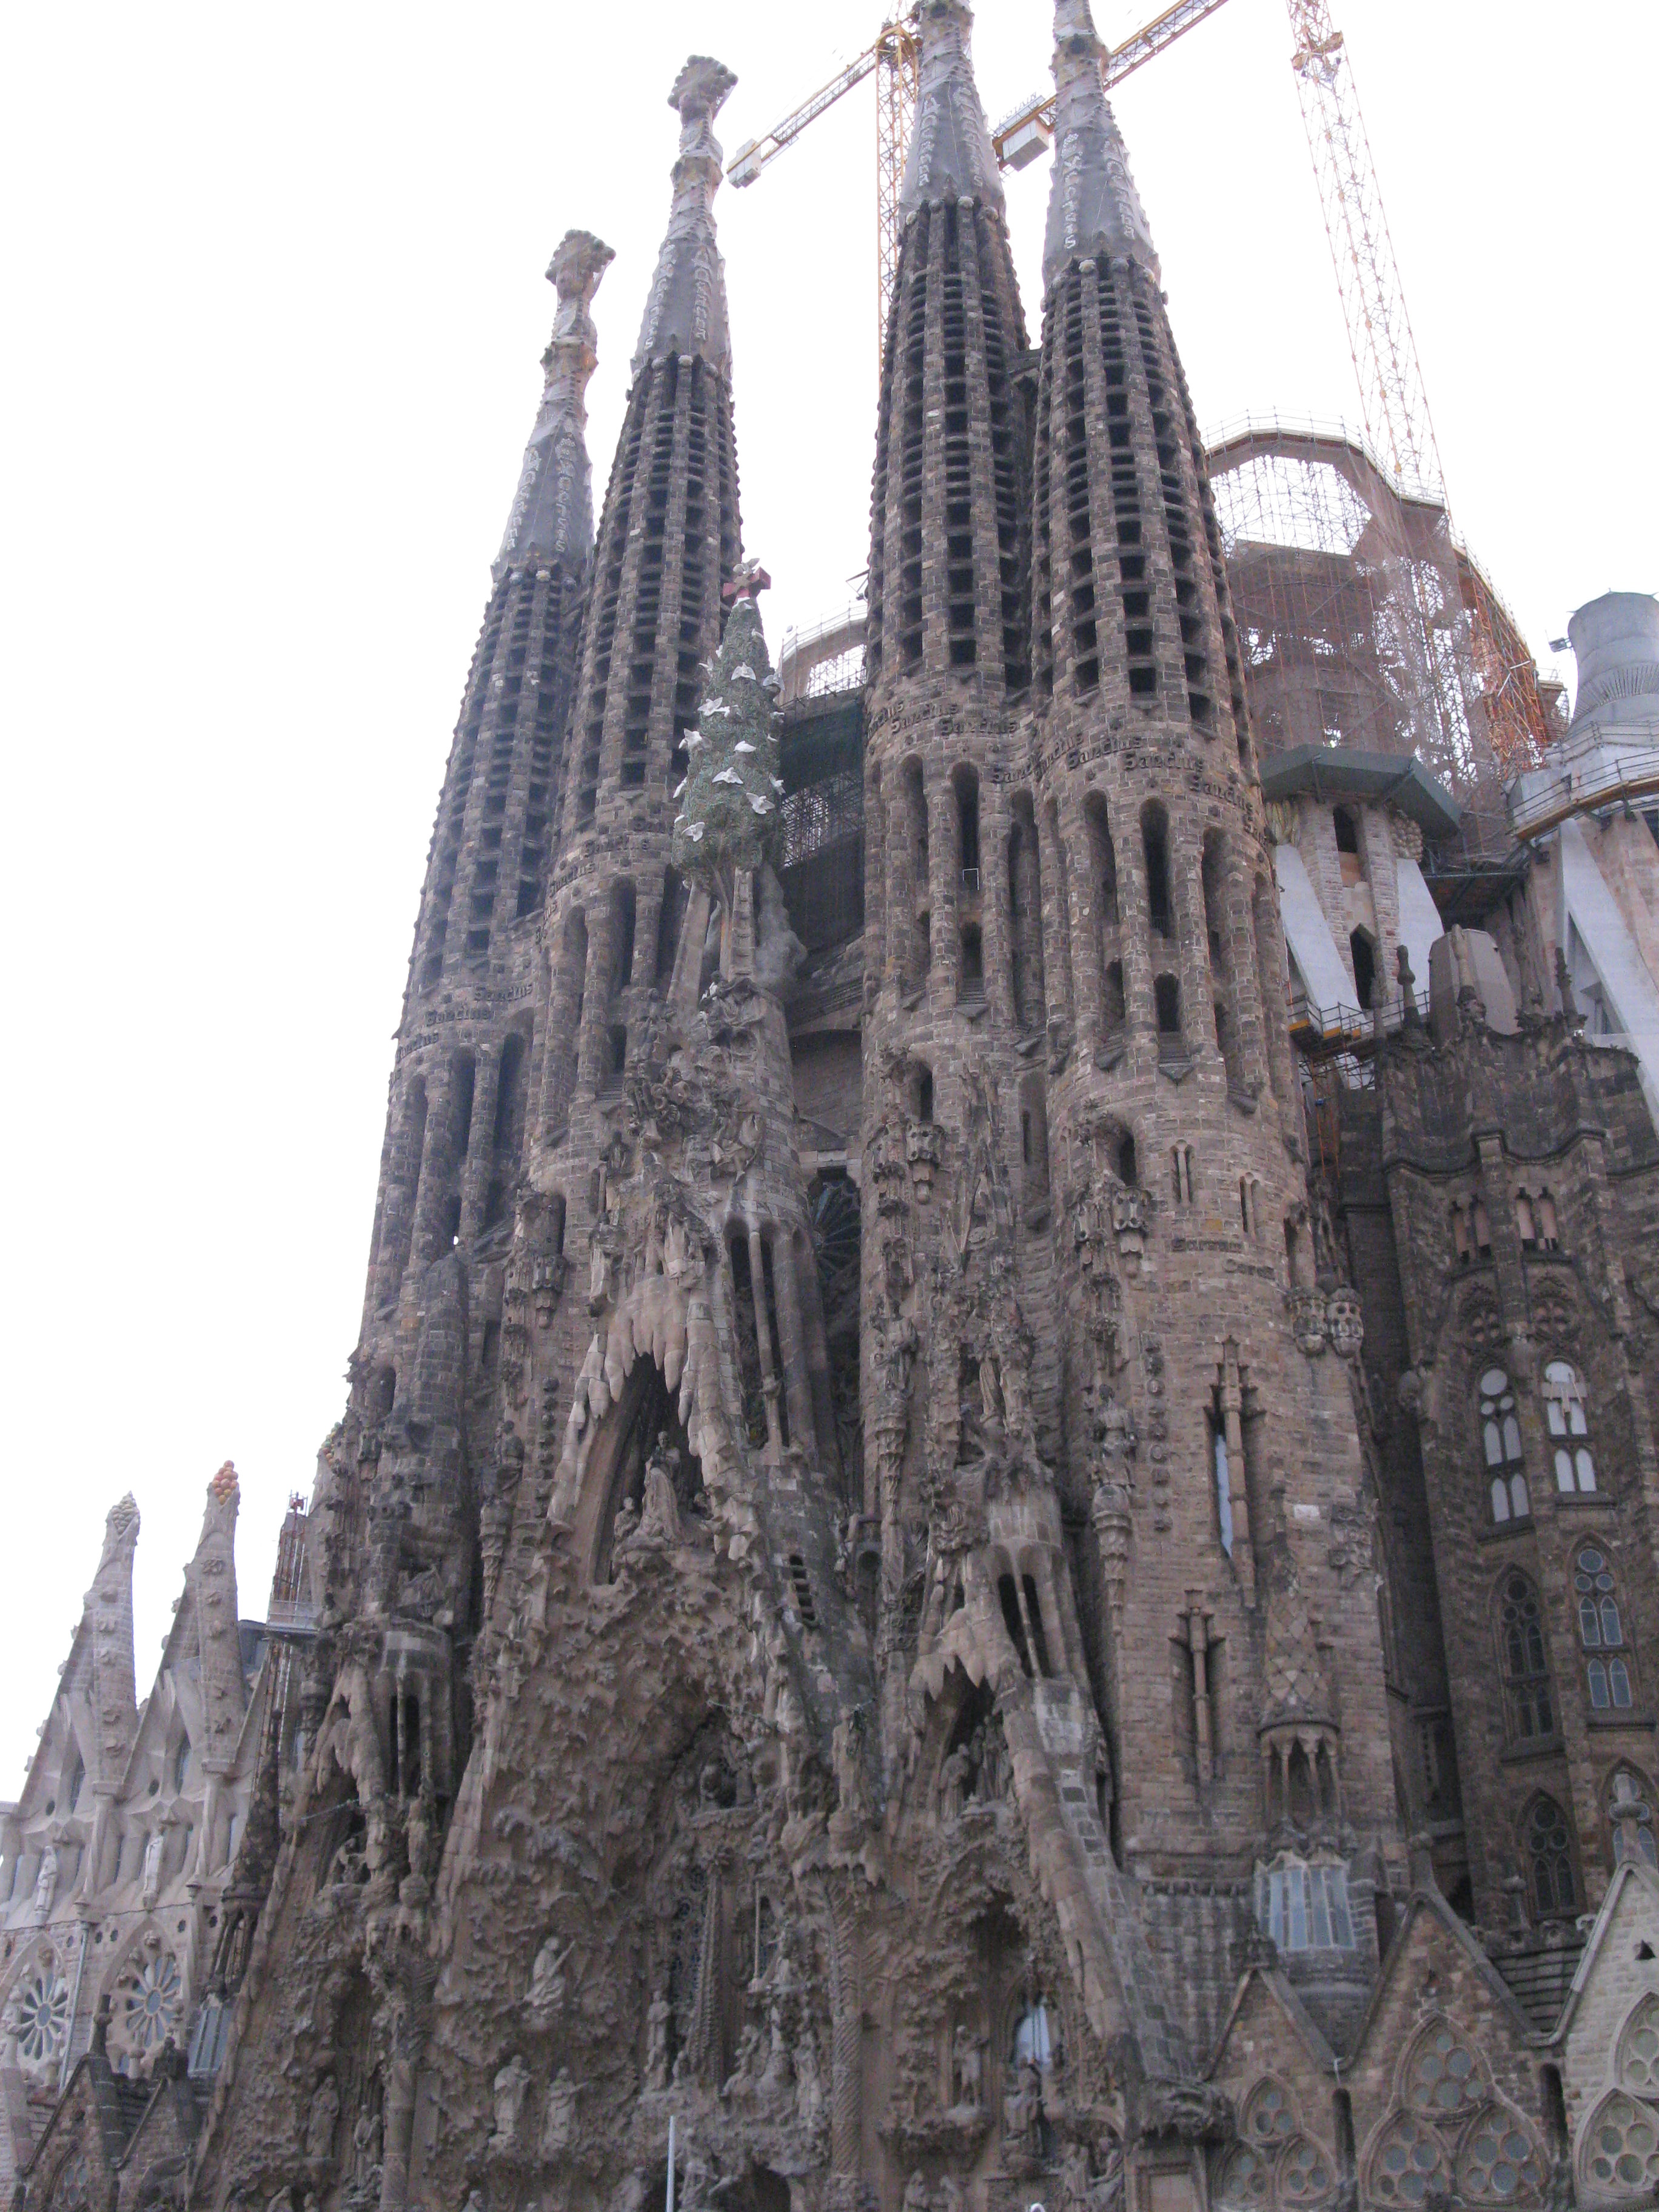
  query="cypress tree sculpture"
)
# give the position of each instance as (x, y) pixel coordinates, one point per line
(729, 821)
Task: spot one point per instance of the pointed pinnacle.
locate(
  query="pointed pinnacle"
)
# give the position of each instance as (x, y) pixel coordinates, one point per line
(1093, 206)
(685, 309)
(950, 156)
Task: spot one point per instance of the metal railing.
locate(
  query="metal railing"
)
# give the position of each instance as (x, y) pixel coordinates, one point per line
(1605, 764)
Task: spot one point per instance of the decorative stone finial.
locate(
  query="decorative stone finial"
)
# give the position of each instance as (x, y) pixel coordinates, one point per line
(1093, 206)
(223, 1485)
(950, 156)
(685, 310)
(552, 514)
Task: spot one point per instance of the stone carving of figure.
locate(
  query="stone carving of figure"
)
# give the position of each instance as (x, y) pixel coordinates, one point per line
(660, 1517)
(155, 1845)
(322, 2120)
(1106, 2192)
(950, 2194)
(809, 2081)
(559, 2122)
(955, 1777)
(966, 2068)
(656, 2042)
(917, 2196)
(366, 2143)
(738, 2086)
(993, 1773)
(1022, 2105)
(508, 2090)
(1074, 2178)
(696, 2178)
(45, 1881)
(546, 1994)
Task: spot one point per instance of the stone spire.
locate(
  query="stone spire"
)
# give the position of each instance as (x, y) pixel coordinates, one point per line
(1093, 205)
(552, 514)
(212, 1577)
(685, 309)
(109, 1607)
(950, 155)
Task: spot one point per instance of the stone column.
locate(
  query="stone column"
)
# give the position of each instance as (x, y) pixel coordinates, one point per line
(764, 1340)
(480, 1143)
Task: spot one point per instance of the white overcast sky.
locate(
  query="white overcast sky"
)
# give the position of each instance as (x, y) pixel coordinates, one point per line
(273, 298)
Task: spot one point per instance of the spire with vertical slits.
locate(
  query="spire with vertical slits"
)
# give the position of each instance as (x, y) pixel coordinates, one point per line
(950, 156)
(685, 310)
(948, 546)
(1093, 205)
(552, 516)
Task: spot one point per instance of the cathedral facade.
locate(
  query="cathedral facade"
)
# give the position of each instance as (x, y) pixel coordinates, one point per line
(979, 1557)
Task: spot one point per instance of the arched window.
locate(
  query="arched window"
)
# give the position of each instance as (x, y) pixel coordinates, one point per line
(1460, 1230)
(1526, 1669)
(180, 1764)
(1549, 1236)
(1569, 1427)
(1032, 2039)
(1526, 1221)
(1549, 1858)
(1601, 1630)
(1500, 1438)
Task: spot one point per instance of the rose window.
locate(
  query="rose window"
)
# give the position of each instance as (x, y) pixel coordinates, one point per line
(42, 2010)
(1499, 2165)
(1407, 2164)
(1244, 2184)
(1622, 2151)
(1639, 2052)
(153, 2003)
(1444, 2074)
(1304, 2173)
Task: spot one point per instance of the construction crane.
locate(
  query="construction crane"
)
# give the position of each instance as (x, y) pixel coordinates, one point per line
(1393, 400)
(895, 55)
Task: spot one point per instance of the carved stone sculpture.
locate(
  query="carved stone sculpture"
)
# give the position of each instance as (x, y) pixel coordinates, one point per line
(508, 2090)
(547, 1991)
(656, 2042)
(966, 2069)
(559, 2121)
(322, 2120)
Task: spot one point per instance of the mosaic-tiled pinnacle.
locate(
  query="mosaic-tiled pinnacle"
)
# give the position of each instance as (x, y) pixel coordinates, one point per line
(552, 514)
(685, 310)
(728, 817)
(1093, 205)
(952, 157)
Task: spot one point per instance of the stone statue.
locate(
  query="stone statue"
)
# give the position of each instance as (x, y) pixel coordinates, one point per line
(366, 2143)
(1022, 2105)
(322, 2120)
(508, 2090)
(547, 1991)
(738, 2086)
(46, 1882)
(1074, 2178)
(659, 1518)
(656, 2042)
(955, 1777)
(917, 2196)
(809, 2081)
(1106, 2192)
(966, 2069)
(559, 2122)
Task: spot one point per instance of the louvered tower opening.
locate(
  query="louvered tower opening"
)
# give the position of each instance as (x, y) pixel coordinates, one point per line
(1133, 588)
(1163, 403)
(914, 293)
(1001, 323)
(958, 473)
(606, 602)
(650, 516)
(1080, 553)
(1043, 569)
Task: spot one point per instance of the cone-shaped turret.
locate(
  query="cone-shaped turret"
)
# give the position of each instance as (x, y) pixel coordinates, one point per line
(950, 155)
(950, 455)
(109, 1605)
(1093, 207)
(552, 515)
(668, 538)
(212, 1580)
(685, 309)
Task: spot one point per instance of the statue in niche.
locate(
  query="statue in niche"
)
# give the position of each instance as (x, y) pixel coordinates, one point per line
(508, 2090)
(548, 1989)
(656, 2042)
(809, 2081)
(740, 2086)
(967, 2069)
(46, 1882)
(659, 1513)
(151, 1884)
(995, 1772)
(322, 2120)
(917, 2196)
(559, 2122)
(1106, 2192)
(366, 2144)
(955, 1779)
(1022, 2107)
(697, 2184)
(1074, 2178)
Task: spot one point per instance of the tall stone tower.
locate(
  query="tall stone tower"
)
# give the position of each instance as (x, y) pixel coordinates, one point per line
(1019, 1815)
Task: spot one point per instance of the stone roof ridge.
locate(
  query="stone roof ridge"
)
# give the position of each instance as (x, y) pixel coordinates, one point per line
(1093, 206)
(950, 156)
(685, 309)
(552, 511)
